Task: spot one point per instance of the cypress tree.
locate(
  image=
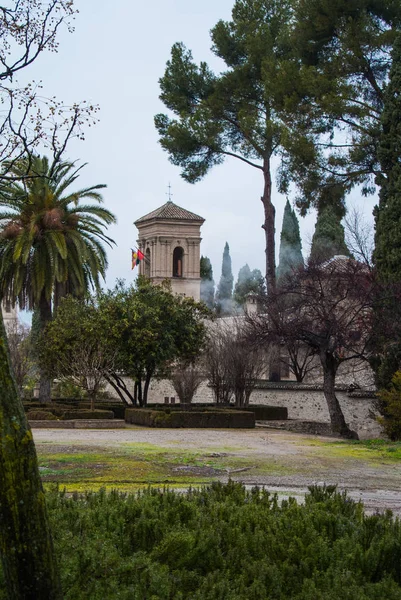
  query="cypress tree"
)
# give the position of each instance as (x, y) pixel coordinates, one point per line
(207, 282)
(290, 256)
(225, 288)
(328, 239)
(387, 254)
(248, 282)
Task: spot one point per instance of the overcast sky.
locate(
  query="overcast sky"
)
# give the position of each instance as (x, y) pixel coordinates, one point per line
(114, 58)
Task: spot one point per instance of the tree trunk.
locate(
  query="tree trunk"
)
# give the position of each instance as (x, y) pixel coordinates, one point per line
(269, 228)
(45, 315)
(26, 545)
(146, 387)
(337, 419)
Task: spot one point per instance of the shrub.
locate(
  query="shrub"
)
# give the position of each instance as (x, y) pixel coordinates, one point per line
(190, 418)
(223, 543)
(41, 415)
(390, 402)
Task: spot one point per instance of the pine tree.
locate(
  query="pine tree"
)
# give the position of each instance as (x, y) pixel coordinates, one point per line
(207, 282)
(248, 282)
(328, 239)
(290, 257)
(225, 288)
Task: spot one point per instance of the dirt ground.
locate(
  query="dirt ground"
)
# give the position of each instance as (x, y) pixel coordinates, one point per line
(283, 462)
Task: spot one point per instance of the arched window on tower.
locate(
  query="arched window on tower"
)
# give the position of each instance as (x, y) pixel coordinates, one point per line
(178, 261)
(147, 262)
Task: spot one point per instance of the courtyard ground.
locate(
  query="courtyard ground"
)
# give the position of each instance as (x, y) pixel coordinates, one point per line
(286, 463)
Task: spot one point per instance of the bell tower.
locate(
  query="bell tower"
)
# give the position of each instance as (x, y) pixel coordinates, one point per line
(169, 237)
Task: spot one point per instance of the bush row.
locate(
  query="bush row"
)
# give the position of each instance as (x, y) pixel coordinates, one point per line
(223, 543)
(66, 415)
(196, 419)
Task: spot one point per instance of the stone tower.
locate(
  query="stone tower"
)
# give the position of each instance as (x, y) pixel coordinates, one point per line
(169, 237)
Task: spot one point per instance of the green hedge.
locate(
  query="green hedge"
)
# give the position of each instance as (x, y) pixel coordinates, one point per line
(41, 415)
(87, 414)
(193, 419)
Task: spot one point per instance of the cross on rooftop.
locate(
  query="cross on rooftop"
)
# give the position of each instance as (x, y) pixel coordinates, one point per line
(169, 194)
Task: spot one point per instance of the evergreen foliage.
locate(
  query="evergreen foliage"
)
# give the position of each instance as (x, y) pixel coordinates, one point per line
(248, 282)
(207, 282)
(139, 330)
(225, 287)
(238, 112)
(345, 48)
(387, 254)
(290, 256)
(223, 543)
(328, 239)
(390, 408)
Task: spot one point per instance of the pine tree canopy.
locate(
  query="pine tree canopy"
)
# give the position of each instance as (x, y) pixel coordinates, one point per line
(290, 256)
(328, 239)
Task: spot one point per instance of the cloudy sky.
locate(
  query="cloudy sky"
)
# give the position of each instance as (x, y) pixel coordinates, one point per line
(114, 59)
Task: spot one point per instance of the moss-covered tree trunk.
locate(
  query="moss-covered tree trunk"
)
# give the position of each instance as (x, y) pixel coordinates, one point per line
(26, 546)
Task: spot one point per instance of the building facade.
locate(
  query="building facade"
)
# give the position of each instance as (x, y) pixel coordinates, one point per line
(169, 238)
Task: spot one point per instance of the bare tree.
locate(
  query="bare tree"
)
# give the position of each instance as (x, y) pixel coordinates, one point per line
(28, 118)
(19, 345)
(328, 308)
(359, 236)
(186, 379)
(233, 363)
(217, 363)
(88, 367)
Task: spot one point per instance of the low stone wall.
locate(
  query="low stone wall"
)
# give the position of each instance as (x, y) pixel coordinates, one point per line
(304, 402)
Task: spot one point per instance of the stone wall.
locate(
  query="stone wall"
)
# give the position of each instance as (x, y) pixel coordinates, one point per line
(304, 402)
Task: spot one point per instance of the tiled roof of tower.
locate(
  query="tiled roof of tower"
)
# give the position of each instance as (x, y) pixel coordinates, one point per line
(170, 211)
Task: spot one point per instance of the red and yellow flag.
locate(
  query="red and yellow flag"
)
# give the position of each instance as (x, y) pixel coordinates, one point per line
(136, 257)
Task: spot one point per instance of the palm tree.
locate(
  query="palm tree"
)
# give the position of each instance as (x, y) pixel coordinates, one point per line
(50, 244)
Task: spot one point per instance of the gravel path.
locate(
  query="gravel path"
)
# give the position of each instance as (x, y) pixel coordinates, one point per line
(377, 484)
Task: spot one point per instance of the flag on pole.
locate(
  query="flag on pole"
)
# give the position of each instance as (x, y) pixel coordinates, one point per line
(136, 257)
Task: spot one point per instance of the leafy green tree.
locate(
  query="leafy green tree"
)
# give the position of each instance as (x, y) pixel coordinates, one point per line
(50, 244)
(290, 256)
(150, 328)
(328, 239)
(207, 282)
(345, 50)
(239, 112)
(248, 282)
(76, 347)
(225, 287)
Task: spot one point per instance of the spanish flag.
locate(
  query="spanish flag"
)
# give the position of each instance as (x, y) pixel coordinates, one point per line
(136, 257)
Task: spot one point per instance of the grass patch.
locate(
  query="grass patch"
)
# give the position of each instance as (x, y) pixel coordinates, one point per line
(132, 466)
(377, 451)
